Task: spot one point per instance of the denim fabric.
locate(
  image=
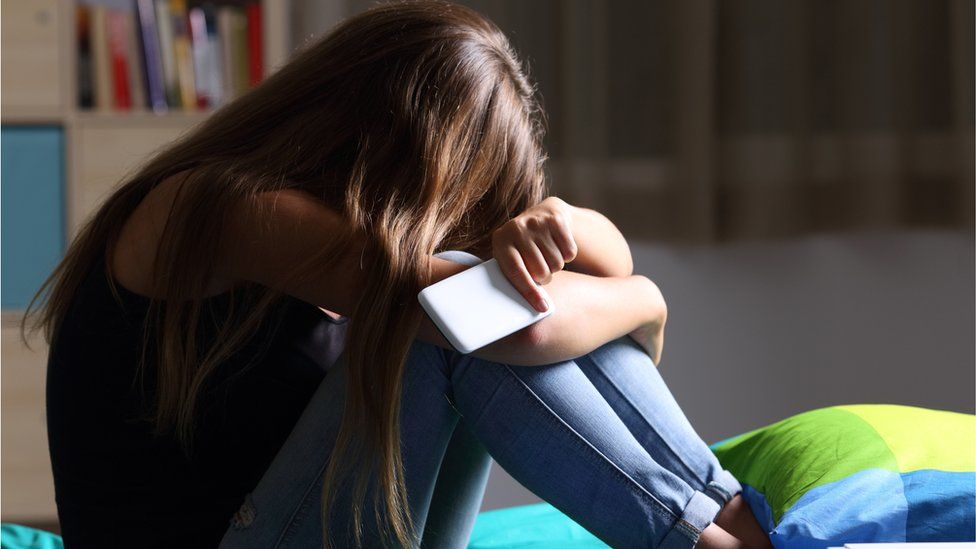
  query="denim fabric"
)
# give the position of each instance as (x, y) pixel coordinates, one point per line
(600, 438)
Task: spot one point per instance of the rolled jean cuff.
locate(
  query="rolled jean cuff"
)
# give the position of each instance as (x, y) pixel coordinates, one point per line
(699, 513)
(723, 487)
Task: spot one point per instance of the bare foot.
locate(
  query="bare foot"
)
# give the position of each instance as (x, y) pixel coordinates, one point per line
(714, 537)
(737, 519)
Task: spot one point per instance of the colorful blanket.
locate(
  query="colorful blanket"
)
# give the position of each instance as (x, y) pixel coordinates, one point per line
(868, 473)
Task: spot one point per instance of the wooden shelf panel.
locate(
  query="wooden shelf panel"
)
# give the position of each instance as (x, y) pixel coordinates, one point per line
(31, 115)
(105, 149)
(32, 56)
(28, 489)
(137, 118)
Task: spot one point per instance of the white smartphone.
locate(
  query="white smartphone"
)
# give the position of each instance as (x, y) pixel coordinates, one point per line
(478, 306)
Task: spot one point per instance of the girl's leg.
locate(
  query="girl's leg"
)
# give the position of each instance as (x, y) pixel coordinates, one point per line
(632, 385)
(552, 430)
(628, 380)
(284, 510)
(463, 477)
(459, 491)
(647, 408)
(548, 426)
(634, 388)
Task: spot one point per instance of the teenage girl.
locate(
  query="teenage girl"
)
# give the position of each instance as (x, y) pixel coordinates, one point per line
(237, 356)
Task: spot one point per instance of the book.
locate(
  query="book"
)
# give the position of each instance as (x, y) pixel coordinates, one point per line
(133, 50)
(183, 54)
(115, 22)
(164, 27)
(149, 40)
(86, 91)
(202, 67)
(101, 68)
(167, 54)
(226, 22)
(239, 52)
(213, 39)
(255, 56)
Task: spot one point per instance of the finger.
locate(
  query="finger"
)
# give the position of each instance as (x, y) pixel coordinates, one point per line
(562, 235)
(552, 254)
(510, 262)
(535, 261)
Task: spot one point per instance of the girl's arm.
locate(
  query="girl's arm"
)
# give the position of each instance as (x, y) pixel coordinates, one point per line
(267, 241)
(602, 249)
(589, 311)
(293, 226)
(599, 302)
(554, 235)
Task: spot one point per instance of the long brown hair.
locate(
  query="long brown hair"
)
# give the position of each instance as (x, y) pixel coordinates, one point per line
(416, 122)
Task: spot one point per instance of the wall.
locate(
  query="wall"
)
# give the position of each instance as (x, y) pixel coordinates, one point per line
(760, 331)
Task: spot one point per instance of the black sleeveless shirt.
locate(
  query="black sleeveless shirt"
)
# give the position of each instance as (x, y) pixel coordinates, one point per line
(119, 485)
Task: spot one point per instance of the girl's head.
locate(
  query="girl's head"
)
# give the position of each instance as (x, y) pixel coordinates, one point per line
(417, 123)
(416, 113)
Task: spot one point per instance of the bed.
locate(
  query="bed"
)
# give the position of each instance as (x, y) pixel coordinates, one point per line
(824, 478)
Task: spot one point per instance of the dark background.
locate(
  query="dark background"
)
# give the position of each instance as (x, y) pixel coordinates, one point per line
(796, 175)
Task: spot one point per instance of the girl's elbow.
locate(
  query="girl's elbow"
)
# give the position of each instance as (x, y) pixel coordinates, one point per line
(526, 342)
(530, 346)
(626, 258)
(533, 337)
(622, 266)
(627, 265)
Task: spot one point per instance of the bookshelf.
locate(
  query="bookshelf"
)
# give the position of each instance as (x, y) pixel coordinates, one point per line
(91, 151)
(40, 76)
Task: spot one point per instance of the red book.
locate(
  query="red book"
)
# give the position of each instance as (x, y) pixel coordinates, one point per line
(120, 66)
(255, 58)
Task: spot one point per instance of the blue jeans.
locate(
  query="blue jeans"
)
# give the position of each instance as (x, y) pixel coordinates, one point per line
(600, 438)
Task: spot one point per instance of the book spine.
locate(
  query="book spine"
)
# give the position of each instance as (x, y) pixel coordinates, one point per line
(153, 60)
(101, 69)
(183, 54)
(120, 68)
(215, 60)
(255, 56)
(86, 92)
(225, 24)
(239, 51)
(201, 56)
(137, 84)
(171, 80)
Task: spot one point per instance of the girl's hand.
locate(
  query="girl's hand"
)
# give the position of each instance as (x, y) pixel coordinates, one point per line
(534, 245)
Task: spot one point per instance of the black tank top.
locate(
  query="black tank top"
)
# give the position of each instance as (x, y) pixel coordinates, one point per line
(119, 485)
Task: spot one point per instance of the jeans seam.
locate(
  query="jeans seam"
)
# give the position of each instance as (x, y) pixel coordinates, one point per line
(292, 518)
(481, 414)
(703, 482)
(452, 405)
(657, 504)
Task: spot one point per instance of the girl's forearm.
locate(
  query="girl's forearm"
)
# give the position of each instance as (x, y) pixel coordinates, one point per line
(589, 312)
(602, 250)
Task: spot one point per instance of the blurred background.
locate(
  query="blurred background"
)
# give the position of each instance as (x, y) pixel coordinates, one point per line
(797, 176)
